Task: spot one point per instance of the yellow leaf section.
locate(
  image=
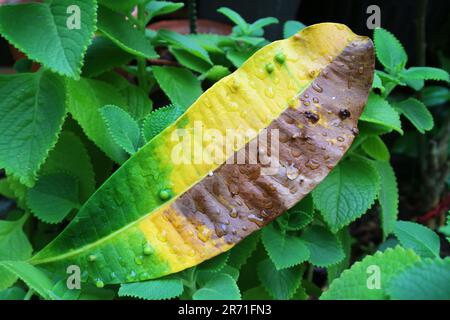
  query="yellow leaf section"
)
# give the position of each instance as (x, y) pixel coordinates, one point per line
(177, 242)
(245, 102)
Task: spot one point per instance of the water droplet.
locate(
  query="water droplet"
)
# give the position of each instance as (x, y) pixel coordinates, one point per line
(191, 253)
(297, 36)
(280, 58)
(306, 96)
(144, 276)
(233, 213)
(292, 103)
(269, 67)
(312, 117)
(312, 164)
(138, 260)
(355, 131)
(312, 74)
(92, 258)
(306, 103)
(344, 114)
(361, 70)
(220, 229)
(162, 236)
(317, 87)
(315, 100)
(99, 283)
(233, 106)
(255, 219)
(210, 174)
(132, 276)
(292, 172)
(269, 92)
(204, 233)
(235, 85)
(296, 153)
(148, 250)
(165, 194)
(340, 139)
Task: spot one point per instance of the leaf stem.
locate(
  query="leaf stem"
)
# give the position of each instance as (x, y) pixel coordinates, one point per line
(29, 294)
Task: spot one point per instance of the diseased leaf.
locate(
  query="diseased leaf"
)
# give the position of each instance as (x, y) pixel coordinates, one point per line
(348, 191)
(49, 33)
(425, 280)
(32, 110)
(360, 281)
(324, 247)
(417, 113)
(153, 290)
(222, 287)
(422, 240)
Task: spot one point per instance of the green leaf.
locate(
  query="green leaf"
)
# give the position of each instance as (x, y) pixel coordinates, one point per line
(215, 264)
(426, 73)
(205, 275)
(166, 288)
(103, 55)
(158, 8)
(379, 111)
(446, 229)
(284, 250)
(120, 6)
(122, 127)
(242, 251)
(184, 42)
(85, 98)
(387, 196)
(13, 293)
(239, 57)
(389, 50)
(426, 280)
(346, 193)
(179, 84)
(422, 240)
(256, 293)
(41, 31)
(137, 101)
(71, 157)
(260, 24)
(298, 216)
(215, 73)
(160, 119)
(121, 32)
(53, 197)
(14, 245)
(416, 112)
(325, 248)
(32, 110)
(33, 277)
(291, 27)
(434, 96)
(280, 284)
(189, 60)
(375, 147)
(377, 83)
(334, 271)
(356, 282)
(221, 287)
(235, 17)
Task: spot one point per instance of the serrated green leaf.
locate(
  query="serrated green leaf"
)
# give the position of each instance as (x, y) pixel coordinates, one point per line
(298, 216)
(256, 293)
(60, 291)
(416, 112)
(324, 247)
(346, 193)
(166, 288)
(215, 264)
(422, 240)
(242, 251)
(334, 271)
(84, 99)
(291, 27)
(179, 84)
(280, 284)
(189, 60)
(137, 101)
(355, 283)
(221, 287)
(14, 245)
(160, 119)
(41, 31)
(235, 17)
(32, 276)
(255, 28)
(238, 58)
(215, 73)
(103, 55)
(375, 147)
(158, 8)
(434, 96)
(387, 196)
(377, 83)
(53, 197)
(389, 50)
(122, 33)
(122, 127)
(120, 6)
(32, 110)
(203, 276)
(379, 111)
(426, 73)
(426, 280)
(184, 42)
(284, 250)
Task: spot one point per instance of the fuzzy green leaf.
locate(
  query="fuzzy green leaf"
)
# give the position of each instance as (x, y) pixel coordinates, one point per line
(42, 32)
(256, 27)
(346, 193)
(375, 147)
(53, 197)
(379, 111)
(215, 264)
(389, 50)
(235, 17)
(179, 84)
(221, 287)
(280, 284)
(160, 119)
(298, 216)
(239, 57)
(32, 110)
(284, 250)
(334, 271)
(121, 32)
(422, 240)
(387, 196)
(166, 288)
(426, 73)
(426, 280)
(325, 248)
(434, 96)
(416, 112)
(291, 27)
(137, 101)
(189, 60)
(356, 282)
(122, 127)
(158, 8)
(242, 251)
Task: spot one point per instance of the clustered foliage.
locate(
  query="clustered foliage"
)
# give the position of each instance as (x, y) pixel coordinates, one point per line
(65, 127)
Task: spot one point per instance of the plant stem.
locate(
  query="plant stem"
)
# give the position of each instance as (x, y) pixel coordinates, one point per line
(29, 294)
(142, 63)
(192, 7)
